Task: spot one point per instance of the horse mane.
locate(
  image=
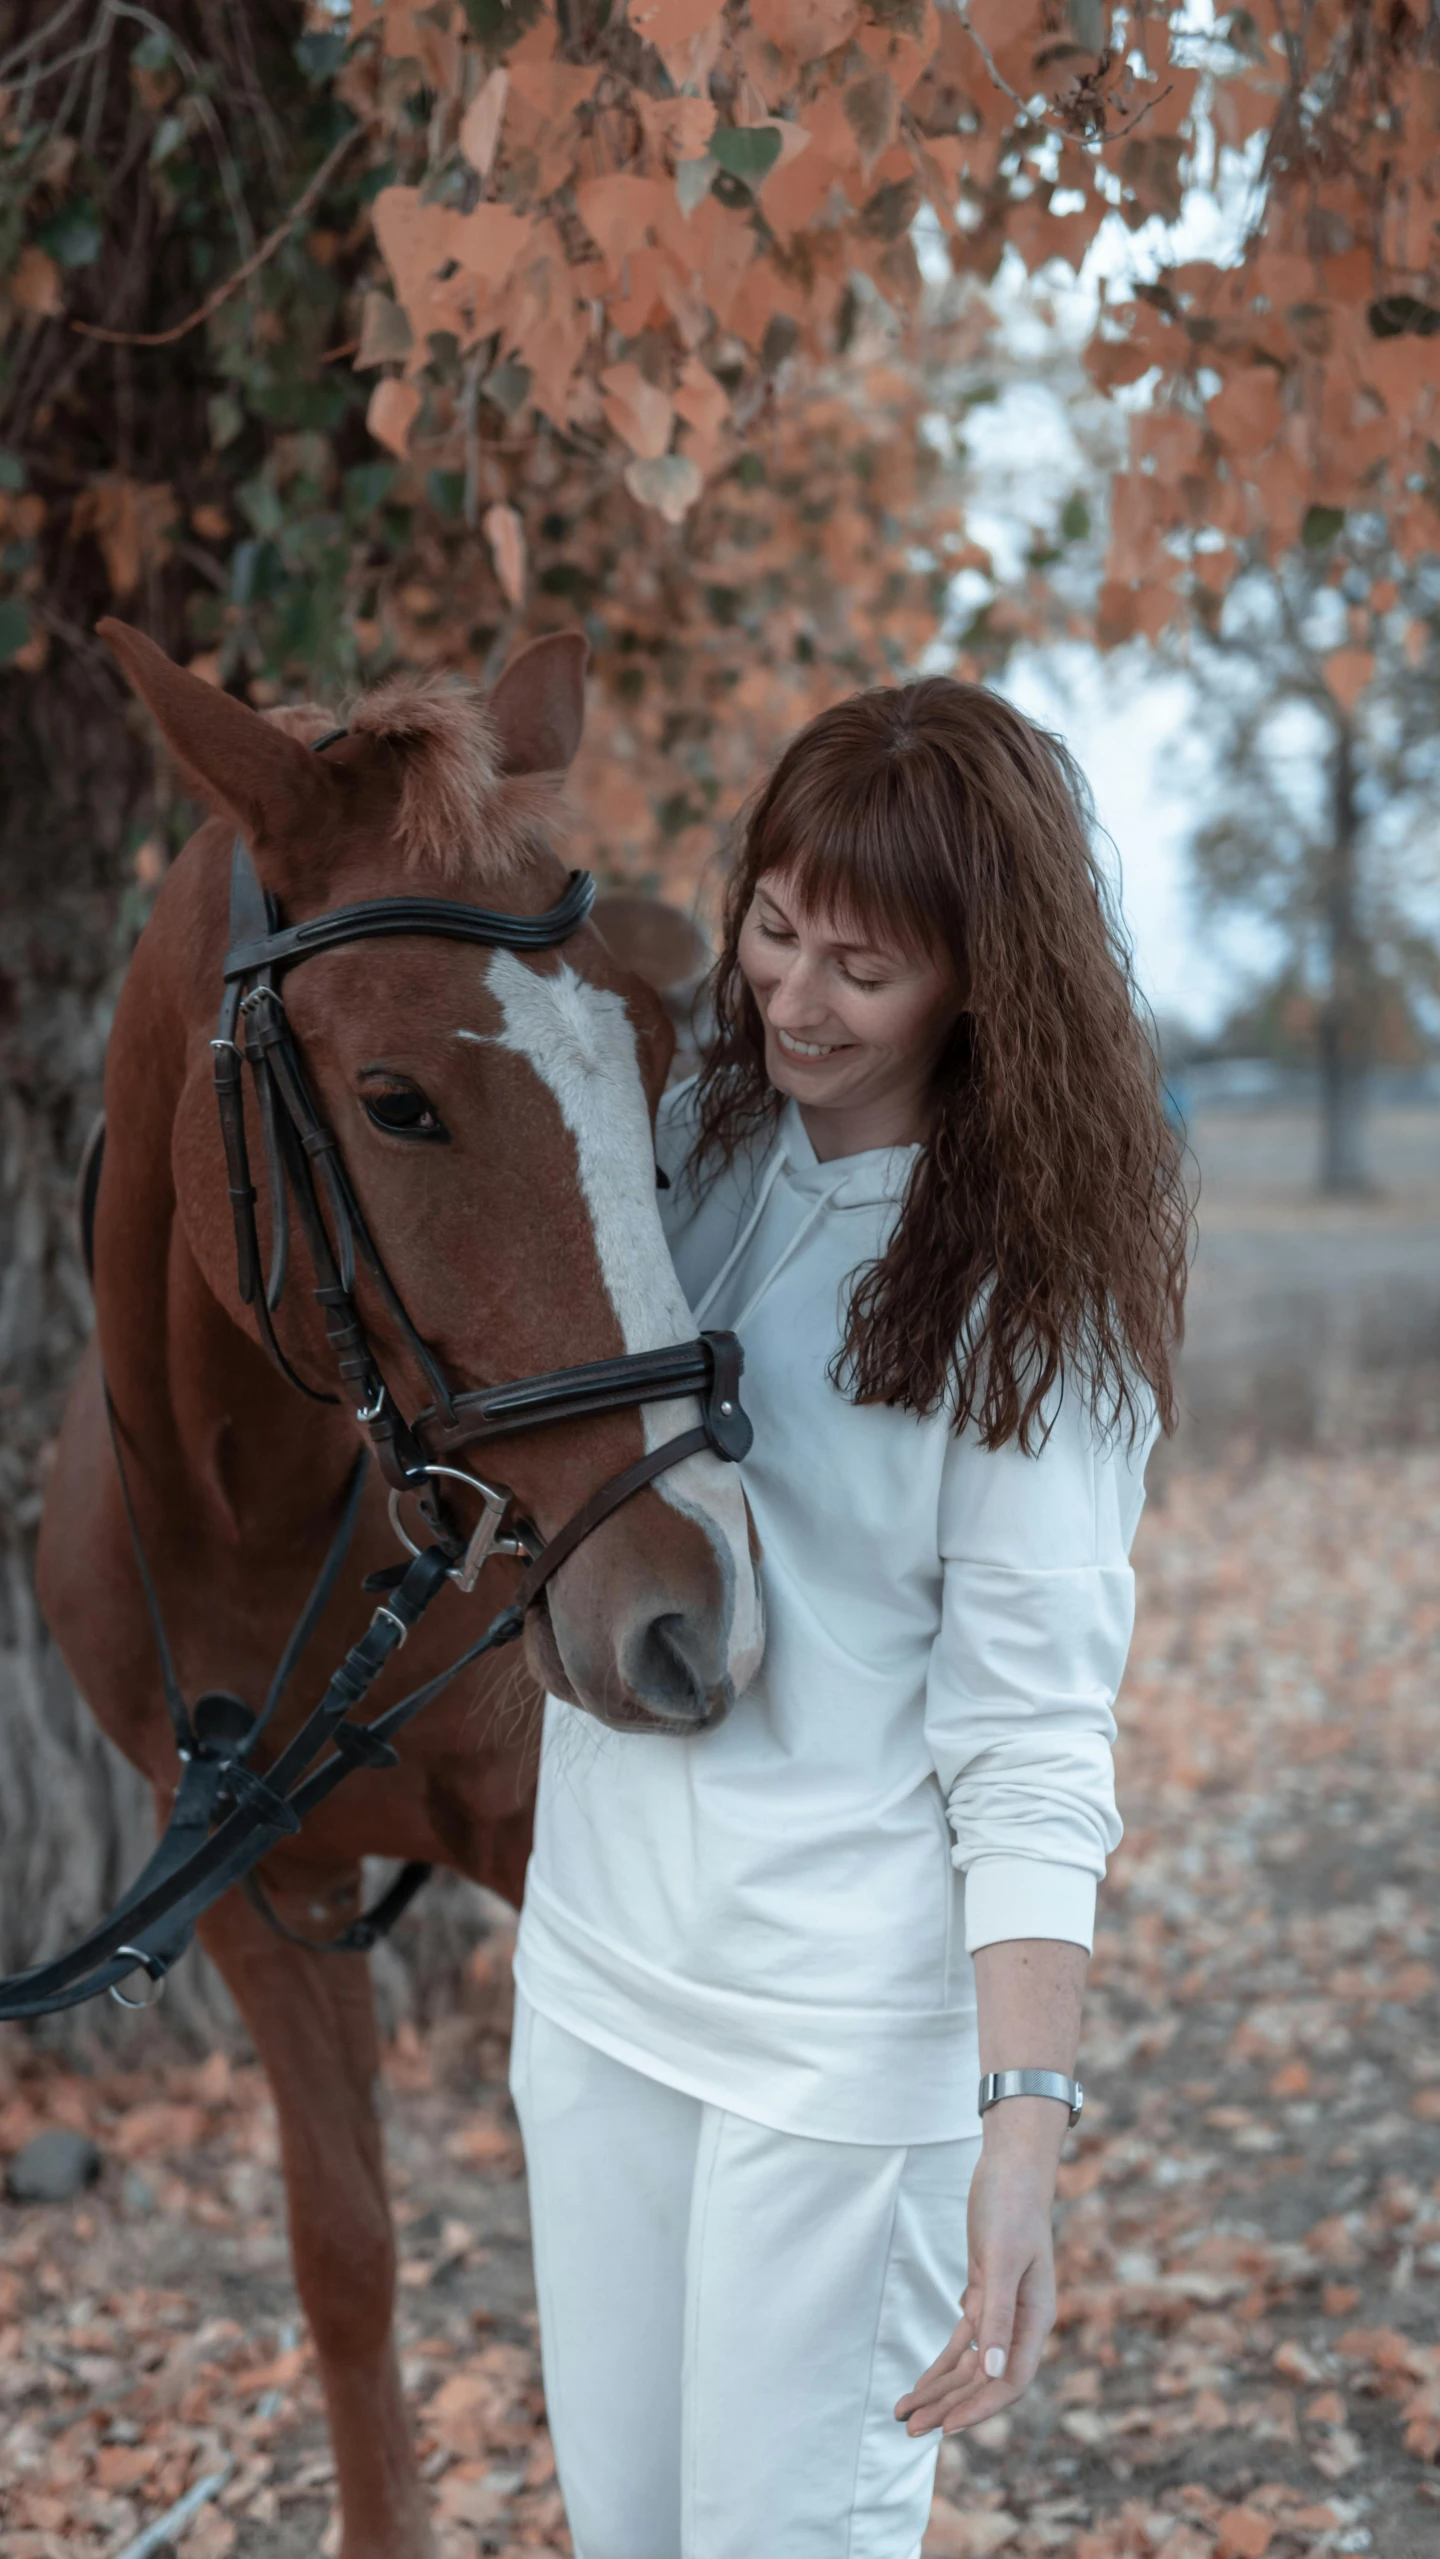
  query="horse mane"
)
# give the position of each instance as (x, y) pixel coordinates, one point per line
(460, 812)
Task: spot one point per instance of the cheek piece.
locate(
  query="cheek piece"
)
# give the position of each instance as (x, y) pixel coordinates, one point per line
(227, 1816)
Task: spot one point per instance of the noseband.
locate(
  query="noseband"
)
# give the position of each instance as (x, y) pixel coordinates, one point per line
(227, 1815)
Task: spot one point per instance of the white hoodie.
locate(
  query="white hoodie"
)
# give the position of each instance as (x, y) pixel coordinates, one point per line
(778, 1916)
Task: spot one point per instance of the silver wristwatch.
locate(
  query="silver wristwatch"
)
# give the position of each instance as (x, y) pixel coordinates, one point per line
(1031, 2083)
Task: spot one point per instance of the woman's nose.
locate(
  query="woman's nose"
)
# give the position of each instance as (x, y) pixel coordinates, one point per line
(794, 997)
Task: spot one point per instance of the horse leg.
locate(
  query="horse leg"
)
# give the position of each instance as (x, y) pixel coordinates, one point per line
(312, 2020)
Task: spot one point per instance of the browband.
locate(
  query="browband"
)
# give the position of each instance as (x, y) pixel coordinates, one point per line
(439, 916)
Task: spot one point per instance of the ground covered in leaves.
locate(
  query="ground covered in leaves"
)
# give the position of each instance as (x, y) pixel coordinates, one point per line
(1246, 2360)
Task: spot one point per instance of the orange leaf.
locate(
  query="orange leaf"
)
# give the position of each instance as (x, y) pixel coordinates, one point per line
(798, 184)
(553, 89)
(675, 128)
(480, 125)
(506, 537)
(872, 108)
(950, 2535)
(1244, 2533)
(1248, 410)
(630, 312)
(806, 28)
(487, 242)
(685, 33)
(905, 52)
(621, 213)
(700, 399)
(640, 414)
(417, 240)
(415, 31)
(131, 523)
(1347, 672)
(35, 284)
(394, 407)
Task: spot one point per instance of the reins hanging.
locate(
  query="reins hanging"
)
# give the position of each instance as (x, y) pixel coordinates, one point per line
(227, 1815)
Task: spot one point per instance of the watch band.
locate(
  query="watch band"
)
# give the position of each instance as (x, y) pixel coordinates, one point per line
(1031, 2083)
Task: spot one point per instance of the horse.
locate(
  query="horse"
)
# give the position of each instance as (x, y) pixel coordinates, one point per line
(493, 1111)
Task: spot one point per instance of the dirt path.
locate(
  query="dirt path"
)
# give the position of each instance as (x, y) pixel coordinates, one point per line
(1250, 2264)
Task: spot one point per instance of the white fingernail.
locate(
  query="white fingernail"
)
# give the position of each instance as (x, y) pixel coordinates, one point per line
(994, 2363)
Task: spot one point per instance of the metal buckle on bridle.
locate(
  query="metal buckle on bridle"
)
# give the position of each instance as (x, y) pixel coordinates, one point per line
(485, 1538)
(155, 1973)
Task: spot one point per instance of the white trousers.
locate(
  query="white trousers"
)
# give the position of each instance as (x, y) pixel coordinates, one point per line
(728, 2315)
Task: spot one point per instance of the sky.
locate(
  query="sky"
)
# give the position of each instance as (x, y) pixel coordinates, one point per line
(1134, 735)
(1131, 725)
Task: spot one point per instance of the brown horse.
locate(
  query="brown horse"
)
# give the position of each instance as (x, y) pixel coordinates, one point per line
(495, 1117)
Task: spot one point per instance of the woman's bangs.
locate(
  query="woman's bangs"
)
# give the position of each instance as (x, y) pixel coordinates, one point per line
(847, 873)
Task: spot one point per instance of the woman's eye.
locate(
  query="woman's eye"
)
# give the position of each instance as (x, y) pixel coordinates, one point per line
(405, 1113)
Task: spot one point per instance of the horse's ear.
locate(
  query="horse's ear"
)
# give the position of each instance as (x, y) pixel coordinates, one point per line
(538, 706)
(269, 783)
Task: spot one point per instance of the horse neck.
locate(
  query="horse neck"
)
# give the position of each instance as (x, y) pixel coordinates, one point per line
(218, 1435)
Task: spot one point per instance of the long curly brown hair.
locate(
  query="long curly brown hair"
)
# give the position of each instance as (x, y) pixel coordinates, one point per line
(1044, 1232)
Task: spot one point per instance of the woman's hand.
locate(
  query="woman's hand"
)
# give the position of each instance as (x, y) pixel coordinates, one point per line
(1009, 2300)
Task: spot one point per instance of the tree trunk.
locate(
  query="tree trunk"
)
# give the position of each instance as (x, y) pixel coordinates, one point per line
(75, 1821)
(1344, 1025)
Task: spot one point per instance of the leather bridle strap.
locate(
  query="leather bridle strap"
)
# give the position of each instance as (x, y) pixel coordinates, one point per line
(157, 1918)
(709, 1367)
(618, 1489)
(445, 918)
(190, 1870)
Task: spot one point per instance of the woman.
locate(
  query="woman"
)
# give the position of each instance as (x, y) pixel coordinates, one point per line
(925, 1174)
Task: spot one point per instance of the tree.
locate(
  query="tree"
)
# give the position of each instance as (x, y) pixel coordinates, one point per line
(1321, 683)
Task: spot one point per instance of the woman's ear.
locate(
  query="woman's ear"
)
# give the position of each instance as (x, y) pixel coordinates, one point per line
(277, 791)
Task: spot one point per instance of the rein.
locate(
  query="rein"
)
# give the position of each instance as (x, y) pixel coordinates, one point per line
(227, 1816)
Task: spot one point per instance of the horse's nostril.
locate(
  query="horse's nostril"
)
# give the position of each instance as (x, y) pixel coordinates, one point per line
(670, 1670)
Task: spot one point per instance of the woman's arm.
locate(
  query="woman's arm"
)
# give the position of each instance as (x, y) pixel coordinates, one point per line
(1036, 1613)
(1030, 1991)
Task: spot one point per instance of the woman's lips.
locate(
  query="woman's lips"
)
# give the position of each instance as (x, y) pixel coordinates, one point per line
(806, 1051)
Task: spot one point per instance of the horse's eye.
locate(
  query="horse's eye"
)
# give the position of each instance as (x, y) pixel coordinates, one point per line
(662, 1178)
(405, 1113)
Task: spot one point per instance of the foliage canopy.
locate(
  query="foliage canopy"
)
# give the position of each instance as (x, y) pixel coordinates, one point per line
(331, 337)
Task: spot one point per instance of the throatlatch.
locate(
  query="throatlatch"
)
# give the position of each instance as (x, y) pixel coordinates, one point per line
(228, 1815)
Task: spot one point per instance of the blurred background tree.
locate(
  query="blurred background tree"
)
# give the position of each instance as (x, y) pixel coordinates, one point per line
(1319, 680)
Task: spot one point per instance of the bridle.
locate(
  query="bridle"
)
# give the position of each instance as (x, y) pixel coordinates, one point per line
(303, 1157)
(227, 1815)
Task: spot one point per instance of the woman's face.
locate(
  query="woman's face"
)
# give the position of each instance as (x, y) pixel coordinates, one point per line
(852, 1025)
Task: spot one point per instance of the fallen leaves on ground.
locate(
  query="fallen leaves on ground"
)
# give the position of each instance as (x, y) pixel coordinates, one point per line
(1245, 2362)
(1245, 2365)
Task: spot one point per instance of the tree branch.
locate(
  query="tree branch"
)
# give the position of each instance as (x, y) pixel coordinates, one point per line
(1050, 123)
(249, 266)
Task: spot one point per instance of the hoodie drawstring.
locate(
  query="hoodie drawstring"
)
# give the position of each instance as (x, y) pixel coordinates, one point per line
(815, 1211)
(772, 1175)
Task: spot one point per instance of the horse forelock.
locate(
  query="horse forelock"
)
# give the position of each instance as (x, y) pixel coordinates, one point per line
(303, 720)
(459, 812)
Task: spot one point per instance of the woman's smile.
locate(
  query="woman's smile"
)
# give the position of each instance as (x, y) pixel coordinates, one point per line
(795, 1047)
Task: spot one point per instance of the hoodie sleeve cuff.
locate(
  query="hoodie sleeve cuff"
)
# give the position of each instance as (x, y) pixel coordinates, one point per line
(1024, 1897)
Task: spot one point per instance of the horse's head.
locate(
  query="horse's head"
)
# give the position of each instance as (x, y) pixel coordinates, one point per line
(495, 1115)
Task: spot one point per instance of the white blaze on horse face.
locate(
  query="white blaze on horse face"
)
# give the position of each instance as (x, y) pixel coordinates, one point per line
(580, 1041)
